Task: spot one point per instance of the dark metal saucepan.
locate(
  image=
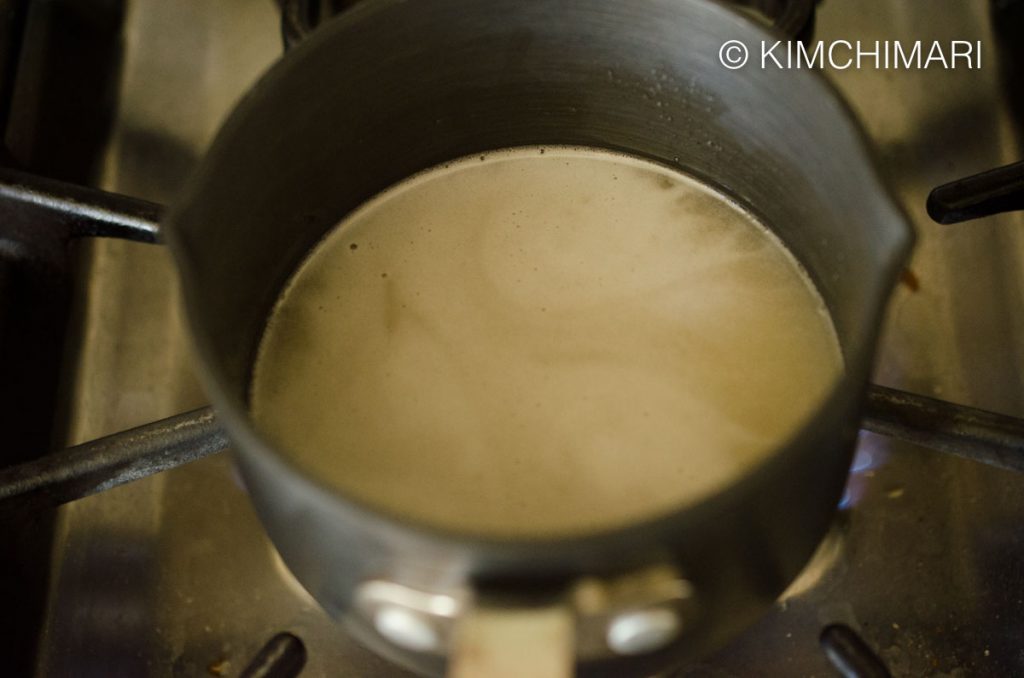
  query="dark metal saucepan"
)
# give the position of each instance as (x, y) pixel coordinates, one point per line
(394, 87)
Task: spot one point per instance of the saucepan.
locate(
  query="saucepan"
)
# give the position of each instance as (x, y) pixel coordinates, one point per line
(391, 88)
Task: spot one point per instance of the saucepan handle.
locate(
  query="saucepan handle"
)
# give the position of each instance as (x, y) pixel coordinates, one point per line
(507, 642)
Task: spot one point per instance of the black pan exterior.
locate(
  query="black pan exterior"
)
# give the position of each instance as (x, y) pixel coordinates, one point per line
(394, 87)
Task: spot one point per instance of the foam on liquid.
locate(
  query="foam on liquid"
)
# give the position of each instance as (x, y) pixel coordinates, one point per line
(539, 343)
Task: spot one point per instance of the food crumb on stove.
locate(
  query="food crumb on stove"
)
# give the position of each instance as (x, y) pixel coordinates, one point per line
(218, 667)
(910, 279)
(895, 493)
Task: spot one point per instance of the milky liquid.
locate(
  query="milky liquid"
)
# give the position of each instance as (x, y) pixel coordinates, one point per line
(539, 343)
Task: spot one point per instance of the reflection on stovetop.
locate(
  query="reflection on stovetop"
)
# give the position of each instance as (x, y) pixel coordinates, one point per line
(173, 575)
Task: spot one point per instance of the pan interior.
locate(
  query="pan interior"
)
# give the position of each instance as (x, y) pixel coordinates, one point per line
(542, 342)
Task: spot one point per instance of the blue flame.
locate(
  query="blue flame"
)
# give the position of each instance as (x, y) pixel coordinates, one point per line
(872, 452)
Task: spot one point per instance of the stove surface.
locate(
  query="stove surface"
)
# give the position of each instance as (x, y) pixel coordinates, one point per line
(174, 576)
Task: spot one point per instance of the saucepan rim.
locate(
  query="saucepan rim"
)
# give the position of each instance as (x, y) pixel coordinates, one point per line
(838, 406)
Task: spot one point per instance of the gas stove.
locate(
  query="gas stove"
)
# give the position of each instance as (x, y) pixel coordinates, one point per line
(173, 575)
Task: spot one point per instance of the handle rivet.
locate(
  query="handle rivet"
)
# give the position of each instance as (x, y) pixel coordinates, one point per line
(406, 628)
(641, 631)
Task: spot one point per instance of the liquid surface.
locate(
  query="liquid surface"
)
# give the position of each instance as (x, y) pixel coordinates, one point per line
(542, 343)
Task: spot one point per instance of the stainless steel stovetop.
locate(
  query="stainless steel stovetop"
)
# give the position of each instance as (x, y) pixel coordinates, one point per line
(173, 575)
